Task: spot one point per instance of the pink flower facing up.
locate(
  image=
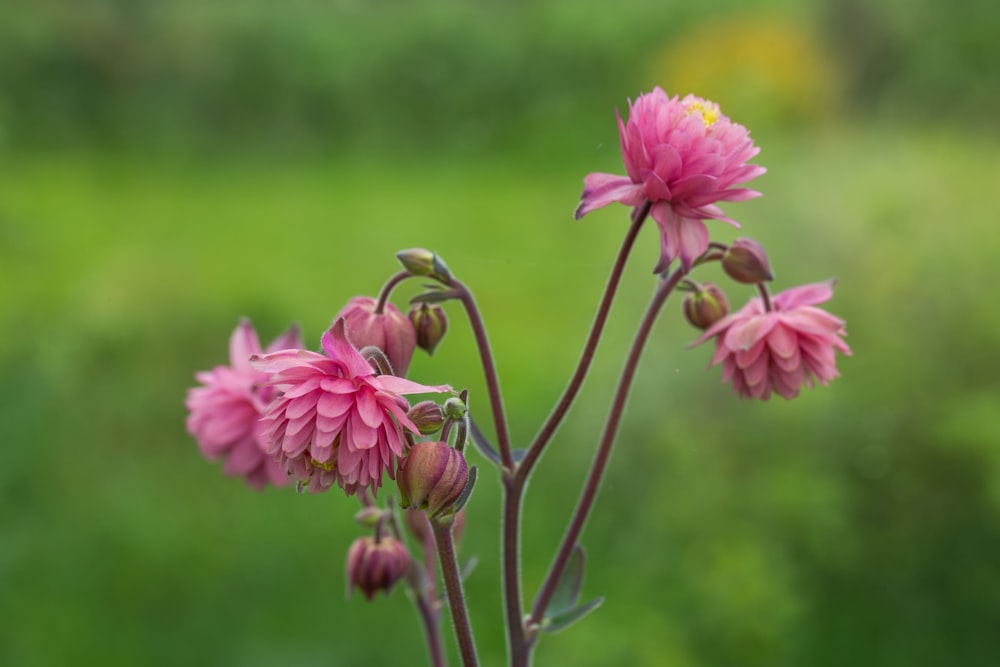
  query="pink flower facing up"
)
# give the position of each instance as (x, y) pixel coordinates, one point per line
(335, 421)
(782, 349)
(225, 411)
(683, 156)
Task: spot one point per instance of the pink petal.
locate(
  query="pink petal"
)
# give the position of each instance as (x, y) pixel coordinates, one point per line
(337, 347)
(804, 295)
(602, 189)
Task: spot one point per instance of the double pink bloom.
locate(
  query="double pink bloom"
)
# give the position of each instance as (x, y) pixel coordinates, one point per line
(683, 156)
(335, 421)
(783, 349)
(224, 413)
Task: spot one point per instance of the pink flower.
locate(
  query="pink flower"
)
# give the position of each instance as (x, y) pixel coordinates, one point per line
(683, 156)
(782, 349)
(224, 413)
(390, 331)
(335, 421)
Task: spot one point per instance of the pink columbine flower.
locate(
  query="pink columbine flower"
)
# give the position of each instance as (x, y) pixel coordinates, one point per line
(683, 156)
(390, 331)
(335, 421)
(782, 349)
(225, 411)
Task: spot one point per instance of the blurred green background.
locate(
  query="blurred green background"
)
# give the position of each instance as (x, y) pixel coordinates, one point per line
(168, 167)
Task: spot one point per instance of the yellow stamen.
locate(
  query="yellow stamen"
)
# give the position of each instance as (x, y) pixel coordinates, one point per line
(709, 111)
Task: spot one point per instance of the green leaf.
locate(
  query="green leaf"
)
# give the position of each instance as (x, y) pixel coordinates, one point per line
(567, 592)
(561, 621)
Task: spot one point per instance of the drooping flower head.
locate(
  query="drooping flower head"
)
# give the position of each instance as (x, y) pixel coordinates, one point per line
(375, 565)
(684, 156)
(780, 350)
(390, 331)
(224, 412)
(334, 420)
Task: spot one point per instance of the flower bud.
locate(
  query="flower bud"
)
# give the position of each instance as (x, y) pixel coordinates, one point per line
(706, 306)
(745, 261)
(432, 477)
(455, 408)
(389, 331)
(427, 416)
(418, 261)
(423, 262)
(376, 566)
(367, 517)
(430, 323)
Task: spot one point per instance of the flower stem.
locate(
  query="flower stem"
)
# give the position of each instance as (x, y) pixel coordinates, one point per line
(511, 536)
(766, 296)
(489, 371)
(569, 394)
(430, 617)
(383, 296)
(453, 586)
(423, 590)
(604, 449)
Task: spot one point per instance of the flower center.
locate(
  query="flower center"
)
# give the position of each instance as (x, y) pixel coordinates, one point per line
(709, 111)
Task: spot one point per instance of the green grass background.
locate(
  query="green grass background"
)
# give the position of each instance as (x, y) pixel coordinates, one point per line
(858, 524)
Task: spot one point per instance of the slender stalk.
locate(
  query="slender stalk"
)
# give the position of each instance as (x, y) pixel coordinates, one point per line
(430, 617)
(453, 586)
(390, 285)
(765, 295)
(555, 418)
(511, 532)
(589, 494)
(421, 580)
(490, 373)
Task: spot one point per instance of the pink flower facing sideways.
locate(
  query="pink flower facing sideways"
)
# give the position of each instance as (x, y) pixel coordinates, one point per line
(225, 411)
(683, 156)
(782, 349)
(335, 421)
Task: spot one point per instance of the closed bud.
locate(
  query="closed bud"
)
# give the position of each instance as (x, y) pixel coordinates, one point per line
(367, 517)
(455, 408)
(375, 566)
(427, 416)
(389, 331)
(432, 477)
(430, 323)
(705, 306)
(423, 262)
(745, 261)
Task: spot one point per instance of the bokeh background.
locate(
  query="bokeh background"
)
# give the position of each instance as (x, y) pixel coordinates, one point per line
(168, 167)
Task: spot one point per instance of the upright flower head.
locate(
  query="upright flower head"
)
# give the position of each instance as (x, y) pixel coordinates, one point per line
(335, 421)
(390, 331)
(782, 349)
(224, 412)
(683, 156)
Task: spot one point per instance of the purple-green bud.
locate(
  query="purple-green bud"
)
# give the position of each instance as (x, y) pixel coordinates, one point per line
(430, 323)
(427, 416)
(375, 566)
(432, 477)
(745, 261)
(705, 306)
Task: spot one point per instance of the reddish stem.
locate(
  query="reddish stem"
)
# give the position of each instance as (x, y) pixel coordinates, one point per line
(603, 454)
